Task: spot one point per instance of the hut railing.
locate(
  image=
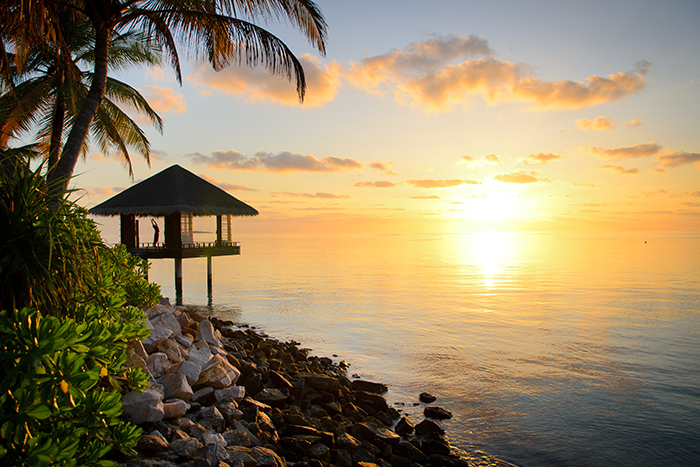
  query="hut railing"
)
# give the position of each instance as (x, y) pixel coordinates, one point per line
(216, 244)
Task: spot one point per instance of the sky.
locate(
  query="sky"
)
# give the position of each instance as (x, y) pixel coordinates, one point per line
(445, 116)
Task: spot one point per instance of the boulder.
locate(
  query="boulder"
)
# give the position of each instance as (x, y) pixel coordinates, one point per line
(176, 386)
(368, 386)
(175, 408)
(218, 373)
(428, 427)
(210, 417)
(166, 320)
(157, 364)
(207, 332)
(141, 407)
(233, 393)
(172, 349)
(186, 448)
(153, 441)
(157, 336)
(427, 397)
(265, 457)
(437, 413)
(137, 347)
(404, 427)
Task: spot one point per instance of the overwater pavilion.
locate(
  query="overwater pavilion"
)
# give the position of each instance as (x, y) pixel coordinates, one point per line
(177, 195)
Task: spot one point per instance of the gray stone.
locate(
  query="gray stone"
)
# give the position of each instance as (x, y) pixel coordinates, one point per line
(185, 341)
(437, 413)
(216, 438)
(320, 451)
(153, 441)
(157, 336)
(253, 439)
(231, 412)
(157, 364)
(266, 457)
(176, 386)
(218, 373)
(404, 427)
(186, 448)
(166, 320)
(348, 442)
(271, 396)
(211, 455)
(237, 438)
(210, 417)
(207, 332)
(137, 347)
(175, 408)
(204, 396)
(156, 310)
(234, 393)
(141, 407)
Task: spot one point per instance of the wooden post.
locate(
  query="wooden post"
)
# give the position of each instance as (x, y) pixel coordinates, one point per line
(218, 231)
(178, 281)
(209, 280)
(129, 231)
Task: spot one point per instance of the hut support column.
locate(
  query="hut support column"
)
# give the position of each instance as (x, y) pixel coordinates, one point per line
(178, 281)
(209, 281)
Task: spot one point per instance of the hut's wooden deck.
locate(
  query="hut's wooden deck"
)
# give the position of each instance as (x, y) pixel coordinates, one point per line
(189, 250)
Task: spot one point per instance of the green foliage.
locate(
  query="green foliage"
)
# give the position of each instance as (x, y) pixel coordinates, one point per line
(70, 308)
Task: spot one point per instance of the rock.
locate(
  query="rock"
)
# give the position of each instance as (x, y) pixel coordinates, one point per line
(186, 448)
(437, 413)
(242, 455)
(216, 438)
(387, 436)
(438, 460)
(363, 455)
(342, 458)
(320, 382)
(411, 452)
(156, 310)
(218, 373)
(253, 439)
(157, 364)
(266, 457)
(166, 320)
(272, 397)
(404, 427)
(153, 441)
(207, 333)
(134, 360)
(366, 431)
(435, 445)
(230, 412)
(210, 417)
(176, 386)
(138, 349)
(184, 341)
(368, 386)
(234, 393)
(237, 438)
(427, 397)
(367, 400)
(428, 427)
(348, 442)
(172, 349)
(157, 336)
(320, 451)
(141, 407)
(204, 396)
(175, 408)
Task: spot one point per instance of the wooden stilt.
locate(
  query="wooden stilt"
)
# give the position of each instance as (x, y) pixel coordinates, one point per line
(209, 281)
(178, 281)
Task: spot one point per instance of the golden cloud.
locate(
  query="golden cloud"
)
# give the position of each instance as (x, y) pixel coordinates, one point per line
(259, 85)
(539, 158)
(381, 166)
(676, 159)
(520, 177)
(632, 123)
(226, 186)
(619, 170)
(473, 162)
(631, 152)
(378, 184)
(320, 195)
(282, 162)
(441, 183)
(599, 124)
(163, 99)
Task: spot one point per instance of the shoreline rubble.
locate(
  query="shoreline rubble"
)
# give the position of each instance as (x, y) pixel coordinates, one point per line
(223, 396)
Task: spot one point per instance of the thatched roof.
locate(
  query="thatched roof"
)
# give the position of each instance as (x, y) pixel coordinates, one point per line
(174, 190)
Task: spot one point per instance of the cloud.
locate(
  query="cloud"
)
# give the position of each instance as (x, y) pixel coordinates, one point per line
(163, 99)
(558, 196)
(382, 167)
(320, 195)
(430, 75)
(378, 184)
(282, 162)
(539, 158)
(519, 176)
(441, 183)
(473, 162)
(425, 197)
(631, 152)
(584, 185)
(692, 205)
(599, 124)
(648, 194)
(632, 123)
(101, 191)
(676, 159)
(695, 194)
(226, 186)
(481, 196)
(260, 86)
(619, 170)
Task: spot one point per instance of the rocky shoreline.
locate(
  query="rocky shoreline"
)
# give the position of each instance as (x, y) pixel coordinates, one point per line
(220, 396)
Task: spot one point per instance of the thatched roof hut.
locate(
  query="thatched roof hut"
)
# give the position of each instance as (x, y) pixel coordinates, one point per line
(174, 190)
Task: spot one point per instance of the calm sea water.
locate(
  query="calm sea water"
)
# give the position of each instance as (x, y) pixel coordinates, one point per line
(551, 349)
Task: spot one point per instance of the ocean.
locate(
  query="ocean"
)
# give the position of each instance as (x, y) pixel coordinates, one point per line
(550, 349)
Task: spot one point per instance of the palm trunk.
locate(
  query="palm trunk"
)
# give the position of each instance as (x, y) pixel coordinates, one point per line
(71, 150)
(56, 131)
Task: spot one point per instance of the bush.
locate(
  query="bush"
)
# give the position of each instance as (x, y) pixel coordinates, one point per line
(70, 307)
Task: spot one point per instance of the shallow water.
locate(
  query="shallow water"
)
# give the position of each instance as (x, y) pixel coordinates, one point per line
(551, 349)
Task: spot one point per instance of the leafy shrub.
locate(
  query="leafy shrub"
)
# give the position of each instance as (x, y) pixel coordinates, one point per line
(70, 307)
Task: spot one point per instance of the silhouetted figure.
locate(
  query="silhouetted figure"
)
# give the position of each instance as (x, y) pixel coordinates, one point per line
(156, 231)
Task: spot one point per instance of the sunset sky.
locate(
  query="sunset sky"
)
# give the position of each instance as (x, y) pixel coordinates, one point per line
(447, 116)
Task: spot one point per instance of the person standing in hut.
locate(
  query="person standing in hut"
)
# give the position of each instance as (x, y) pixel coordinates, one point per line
(156, 231)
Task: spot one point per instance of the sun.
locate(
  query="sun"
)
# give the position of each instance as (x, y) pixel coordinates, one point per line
(491, 208)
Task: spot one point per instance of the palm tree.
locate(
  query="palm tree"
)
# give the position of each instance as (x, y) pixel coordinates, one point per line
(48, 93)
(222, 31)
